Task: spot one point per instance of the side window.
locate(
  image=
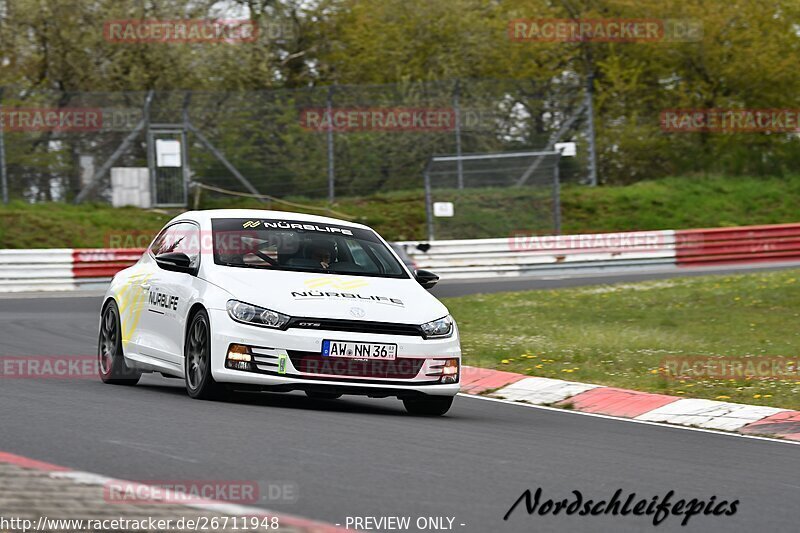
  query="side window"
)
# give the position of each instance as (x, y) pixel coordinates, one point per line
(158, 243)
(180, 237)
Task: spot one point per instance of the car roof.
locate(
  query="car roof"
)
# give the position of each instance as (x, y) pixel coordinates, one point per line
(208, 214)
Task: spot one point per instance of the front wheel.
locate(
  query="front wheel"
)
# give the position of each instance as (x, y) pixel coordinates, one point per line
(111, 362)
(200, 383)
(428, 405)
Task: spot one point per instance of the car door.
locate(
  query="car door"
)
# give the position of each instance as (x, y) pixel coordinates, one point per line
(169, 295)
(131, 296)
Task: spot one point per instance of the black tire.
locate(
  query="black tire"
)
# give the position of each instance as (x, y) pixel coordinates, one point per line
(317, 395)
(110, 360)
(200, 383)
(428, 405)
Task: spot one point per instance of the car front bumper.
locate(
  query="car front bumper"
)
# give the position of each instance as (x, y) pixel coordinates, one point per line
(291, 360)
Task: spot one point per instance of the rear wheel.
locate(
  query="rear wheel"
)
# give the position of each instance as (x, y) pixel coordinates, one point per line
(111, 362)
(323, 395)
(200, 383)
(428, 405)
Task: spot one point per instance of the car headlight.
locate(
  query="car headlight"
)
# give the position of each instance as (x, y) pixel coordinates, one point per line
(258, 316)
(437, 329)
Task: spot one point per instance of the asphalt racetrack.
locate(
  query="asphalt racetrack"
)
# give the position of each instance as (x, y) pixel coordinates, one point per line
(362, 457)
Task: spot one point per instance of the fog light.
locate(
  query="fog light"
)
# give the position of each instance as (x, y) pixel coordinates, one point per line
(238, 365)
(450, 371)
(237, 352)
(238, 358)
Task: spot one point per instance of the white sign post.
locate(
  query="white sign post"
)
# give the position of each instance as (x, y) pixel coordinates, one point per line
(567, 149)
(168, 153)
(443, 209)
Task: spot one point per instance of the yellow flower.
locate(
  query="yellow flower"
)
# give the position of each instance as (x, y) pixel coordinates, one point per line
(567, 370)
(504, 361)
(654, 371)
(539, 366)
(756, 396)
(723, 397)
(768, 396)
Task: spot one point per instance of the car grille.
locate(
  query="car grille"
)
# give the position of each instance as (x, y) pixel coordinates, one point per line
(314, 363)
(358, 326)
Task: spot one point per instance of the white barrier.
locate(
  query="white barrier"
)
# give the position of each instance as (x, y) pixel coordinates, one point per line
(520, 254)
(68, 269)
(36, 270)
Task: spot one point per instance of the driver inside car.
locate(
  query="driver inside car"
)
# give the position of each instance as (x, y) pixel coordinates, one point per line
(321, 251)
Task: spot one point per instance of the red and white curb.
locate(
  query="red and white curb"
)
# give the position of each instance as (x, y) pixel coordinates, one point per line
(294, 523)
(642, 406)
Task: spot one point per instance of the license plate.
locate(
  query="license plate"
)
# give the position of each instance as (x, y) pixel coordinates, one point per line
(359, 350)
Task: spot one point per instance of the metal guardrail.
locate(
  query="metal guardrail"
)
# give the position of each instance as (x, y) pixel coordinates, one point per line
(102, 262)
(524, 254)
(36, 270)
(70, 269)
(719, 246)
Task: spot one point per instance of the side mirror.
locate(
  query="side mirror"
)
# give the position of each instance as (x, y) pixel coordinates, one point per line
(175, 262)
(426, 278)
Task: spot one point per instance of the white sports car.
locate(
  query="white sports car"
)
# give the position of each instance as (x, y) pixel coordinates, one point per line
(276, 301)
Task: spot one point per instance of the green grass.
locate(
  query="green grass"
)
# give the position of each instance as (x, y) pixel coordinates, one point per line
(395, 215)
(679, 203)
(671, 203)
(614, 335)
(70, 226)
(621, 335)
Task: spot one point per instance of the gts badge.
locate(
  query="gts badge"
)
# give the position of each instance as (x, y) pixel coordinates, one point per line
(165, 301)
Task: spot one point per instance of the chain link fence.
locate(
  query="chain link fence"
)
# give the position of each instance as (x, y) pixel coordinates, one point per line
(322, 143)
(488, 195)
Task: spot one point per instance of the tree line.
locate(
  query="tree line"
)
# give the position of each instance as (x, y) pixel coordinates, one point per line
(744, 56)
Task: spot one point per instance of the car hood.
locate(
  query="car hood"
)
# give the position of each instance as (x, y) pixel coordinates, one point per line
(312, 295)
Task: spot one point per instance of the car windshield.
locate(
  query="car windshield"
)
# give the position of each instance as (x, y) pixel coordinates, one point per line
(302, 246)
